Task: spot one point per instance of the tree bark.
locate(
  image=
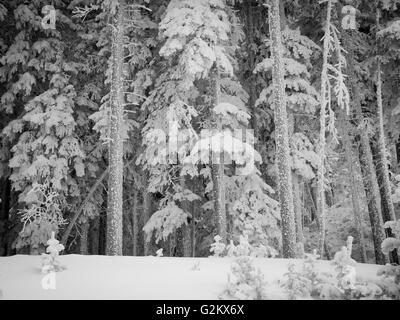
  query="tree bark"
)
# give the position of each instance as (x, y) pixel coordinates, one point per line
(298, 208)
(282, 136)
(193, 227)
(353, 185)
(386, 206)
(218, 172)
(382, 164)
(4, 214)
(115, 180)
(147, 198)
(135, 226)
(94, 235)
(251, 65)
(84, 242)
(186, 227)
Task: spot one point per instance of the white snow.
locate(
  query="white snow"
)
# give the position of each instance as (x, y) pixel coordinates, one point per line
(141, 278)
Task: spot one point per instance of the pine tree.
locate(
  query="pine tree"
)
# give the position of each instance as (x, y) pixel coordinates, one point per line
(321, 147)
(47, 157)
(331, 42)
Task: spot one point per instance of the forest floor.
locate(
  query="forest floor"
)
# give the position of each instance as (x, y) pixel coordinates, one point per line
(142, 278)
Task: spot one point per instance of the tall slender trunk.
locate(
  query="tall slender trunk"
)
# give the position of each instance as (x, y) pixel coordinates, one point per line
(94, 236)
(102, 234)
(353, 185)
(322, 132)
(282, 136)
(186, 234)
(251, 65)
(146, 216)
(218, 172)
(386, 190)
(298, 208)
(386, 206)
(115, 180)
(4, 214)
(193, 227)
(172, 244)
(388, 213)
(395, 151)
(372, 193)
(296, 180)
(135, 227)
(84, 241)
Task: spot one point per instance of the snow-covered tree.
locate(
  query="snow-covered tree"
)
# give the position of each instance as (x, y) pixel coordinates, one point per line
(40, 91)
(331, 44)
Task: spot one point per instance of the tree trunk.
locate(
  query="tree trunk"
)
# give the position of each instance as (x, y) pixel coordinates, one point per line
(147, 198)
(282, 136)
(218, 172)
(386, 206)
(372, 193)
(298, 208)
(251, 65)
(102, 234)
(135, 226)
(353, 185)
(94, 236)
(321, 206)
(4, 214)
(115, 180)
(186, 227)
(382, 165)
(193, 229)
(84, 242)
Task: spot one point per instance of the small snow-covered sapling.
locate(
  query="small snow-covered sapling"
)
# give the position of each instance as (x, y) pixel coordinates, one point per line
(246, 282)
(50, 262)
(218, 248)
(231, 249)
(159, 253)
(345, 266)
(196, 266)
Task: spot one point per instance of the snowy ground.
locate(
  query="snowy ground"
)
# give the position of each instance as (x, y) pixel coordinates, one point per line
(102, 277)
